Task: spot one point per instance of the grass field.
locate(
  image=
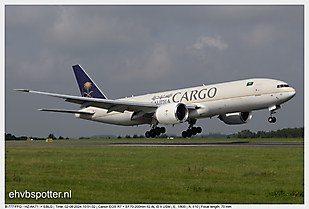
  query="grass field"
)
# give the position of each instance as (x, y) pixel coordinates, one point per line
(103, 174)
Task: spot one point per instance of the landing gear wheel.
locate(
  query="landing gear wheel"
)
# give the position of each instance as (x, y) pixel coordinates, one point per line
(193, 131)
(157, 131)
(152, 133)
(272, 119)
(162, 130)
(147, 134)
(189, 133)
(199, 130)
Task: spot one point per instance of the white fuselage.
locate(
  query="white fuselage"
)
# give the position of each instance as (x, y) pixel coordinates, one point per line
(216, 99)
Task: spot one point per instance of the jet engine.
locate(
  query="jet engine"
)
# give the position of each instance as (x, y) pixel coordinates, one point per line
(236, 118)
(172, 113)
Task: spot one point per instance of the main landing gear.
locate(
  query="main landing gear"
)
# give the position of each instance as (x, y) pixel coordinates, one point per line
(155, 131)
(191, 131)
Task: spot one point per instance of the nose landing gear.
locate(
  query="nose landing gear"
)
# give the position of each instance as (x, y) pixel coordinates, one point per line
(272, 119)
(272, 109)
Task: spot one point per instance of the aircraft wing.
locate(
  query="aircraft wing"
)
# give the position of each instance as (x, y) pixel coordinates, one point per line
(110, 105)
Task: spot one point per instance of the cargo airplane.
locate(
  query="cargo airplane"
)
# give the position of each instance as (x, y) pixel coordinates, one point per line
(233, 103)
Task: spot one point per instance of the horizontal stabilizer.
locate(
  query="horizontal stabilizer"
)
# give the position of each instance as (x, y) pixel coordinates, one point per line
(67, 111)
(22, 90)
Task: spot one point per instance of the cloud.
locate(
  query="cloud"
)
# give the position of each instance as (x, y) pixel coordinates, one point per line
(159, 62)
(157, 65)
(42, 68)
(204, 41)
(29, 18)
(77, 30)
(260, 36)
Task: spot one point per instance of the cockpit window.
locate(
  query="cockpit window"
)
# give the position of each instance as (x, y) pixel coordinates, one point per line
(282, 85)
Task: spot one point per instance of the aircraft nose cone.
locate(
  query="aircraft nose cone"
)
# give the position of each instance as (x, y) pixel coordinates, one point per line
(292, 93)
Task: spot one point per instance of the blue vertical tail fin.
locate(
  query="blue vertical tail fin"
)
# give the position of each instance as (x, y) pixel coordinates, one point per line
(86, 86)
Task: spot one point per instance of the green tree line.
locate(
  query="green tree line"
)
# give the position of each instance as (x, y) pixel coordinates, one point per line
(283, 133)
(9, 136)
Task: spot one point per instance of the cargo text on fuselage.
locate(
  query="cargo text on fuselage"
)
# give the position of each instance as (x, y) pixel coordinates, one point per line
(186, 96)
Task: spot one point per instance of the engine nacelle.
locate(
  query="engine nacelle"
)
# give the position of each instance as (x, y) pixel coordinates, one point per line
(236, 118)
(172, 113)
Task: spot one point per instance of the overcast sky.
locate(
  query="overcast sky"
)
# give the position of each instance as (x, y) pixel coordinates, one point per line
(133, 50)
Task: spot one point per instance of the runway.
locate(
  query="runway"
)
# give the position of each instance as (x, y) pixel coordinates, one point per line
(231, 144)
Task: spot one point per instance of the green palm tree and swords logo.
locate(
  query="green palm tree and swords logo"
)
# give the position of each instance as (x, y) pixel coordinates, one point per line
(87, 86)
